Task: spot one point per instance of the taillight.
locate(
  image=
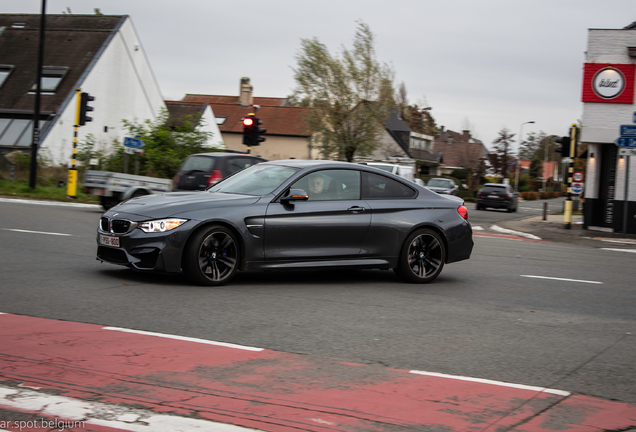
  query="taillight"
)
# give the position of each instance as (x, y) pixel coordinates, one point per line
(463, 212)
(215, 177)
(505, 196)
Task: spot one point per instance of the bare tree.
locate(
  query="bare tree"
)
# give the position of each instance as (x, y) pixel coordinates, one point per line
(350, 96)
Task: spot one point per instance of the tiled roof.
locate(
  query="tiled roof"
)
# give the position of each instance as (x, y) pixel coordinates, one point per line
(277, 120)
(70, 41)
(216, 99)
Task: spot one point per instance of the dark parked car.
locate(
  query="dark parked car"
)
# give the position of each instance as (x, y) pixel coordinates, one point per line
(202, 170)
(290, 214)
(497, 195)
(442, 186)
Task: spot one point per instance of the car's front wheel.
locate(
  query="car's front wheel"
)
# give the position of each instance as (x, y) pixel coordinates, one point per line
(422, 257)
(211, 256)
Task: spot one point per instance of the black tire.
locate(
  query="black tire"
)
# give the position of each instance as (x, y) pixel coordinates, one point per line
(479, 207)
(211, 256)
(422, 257)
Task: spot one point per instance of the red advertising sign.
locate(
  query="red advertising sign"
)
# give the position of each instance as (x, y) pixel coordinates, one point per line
(608, 83)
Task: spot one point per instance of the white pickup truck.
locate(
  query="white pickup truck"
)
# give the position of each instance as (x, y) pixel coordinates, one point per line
(113, 188)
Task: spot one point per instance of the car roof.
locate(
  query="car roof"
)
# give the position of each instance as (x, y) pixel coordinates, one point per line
(307, 163)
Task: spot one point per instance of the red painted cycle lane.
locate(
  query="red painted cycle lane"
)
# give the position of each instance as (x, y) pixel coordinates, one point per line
(276, 391)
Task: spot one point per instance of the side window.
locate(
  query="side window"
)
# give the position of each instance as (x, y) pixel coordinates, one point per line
(328, 185)
(238, 164)
(379, 187)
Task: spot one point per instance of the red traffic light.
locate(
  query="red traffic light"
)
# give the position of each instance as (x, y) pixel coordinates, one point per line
(248, 121)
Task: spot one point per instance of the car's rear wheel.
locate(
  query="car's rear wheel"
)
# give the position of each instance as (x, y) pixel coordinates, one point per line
(422, 257)
(212, 256)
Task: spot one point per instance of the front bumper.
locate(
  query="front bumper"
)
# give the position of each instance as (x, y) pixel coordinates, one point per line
(157, 252)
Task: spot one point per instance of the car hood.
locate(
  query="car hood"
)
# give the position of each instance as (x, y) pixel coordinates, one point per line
(175, 203)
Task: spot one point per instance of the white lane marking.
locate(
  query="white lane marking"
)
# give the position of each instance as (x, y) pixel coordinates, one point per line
(497, 237)
(36, 232)
(51, 203)
(517, 233)
(561, 279)
(477, 228)
(76, 414)
(498, 383)
(622, 241)
(620, 250)
(183, 338)
(530, 208)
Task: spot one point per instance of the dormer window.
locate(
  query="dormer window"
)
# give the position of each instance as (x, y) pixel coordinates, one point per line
(5, 71)
(52, 76)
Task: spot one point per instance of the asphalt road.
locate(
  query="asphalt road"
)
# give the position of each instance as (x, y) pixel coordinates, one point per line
(481, 318)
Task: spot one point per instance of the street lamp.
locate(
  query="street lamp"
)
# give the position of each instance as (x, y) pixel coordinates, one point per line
(519, 155)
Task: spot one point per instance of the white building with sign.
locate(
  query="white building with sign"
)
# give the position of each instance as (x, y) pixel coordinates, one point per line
(608, 96)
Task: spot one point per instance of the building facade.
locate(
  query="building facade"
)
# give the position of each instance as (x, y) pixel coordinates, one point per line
(608, 96)
(101, 54)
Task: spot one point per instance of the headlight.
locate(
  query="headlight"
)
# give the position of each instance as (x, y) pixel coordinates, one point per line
(161, 225)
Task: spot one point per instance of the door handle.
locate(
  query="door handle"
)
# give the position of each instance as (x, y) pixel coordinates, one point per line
(356, 209)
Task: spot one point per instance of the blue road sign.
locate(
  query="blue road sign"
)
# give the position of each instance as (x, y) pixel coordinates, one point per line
(577, 188)
(133, 143)
(625, 142)
(628, 130)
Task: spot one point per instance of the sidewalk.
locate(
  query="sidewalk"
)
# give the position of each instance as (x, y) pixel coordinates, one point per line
(85, 377)
(553, 229)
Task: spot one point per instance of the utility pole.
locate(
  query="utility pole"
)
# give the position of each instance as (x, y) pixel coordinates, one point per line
(35, 143)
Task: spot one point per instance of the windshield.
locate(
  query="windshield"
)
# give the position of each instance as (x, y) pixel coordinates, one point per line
(440, 183)
(255, 180)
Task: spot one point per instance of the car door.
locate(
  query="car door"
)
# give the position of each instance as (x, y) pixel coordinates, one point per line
(333, 224)
(394, 212)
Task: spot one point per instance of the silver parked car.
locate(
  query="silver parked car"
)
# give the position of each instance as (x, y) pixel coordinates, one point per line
(442, 186)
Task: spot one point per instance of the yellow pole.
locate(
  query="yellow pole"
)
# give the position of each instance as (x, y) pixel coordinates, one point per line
(71, 189)
(567, 211)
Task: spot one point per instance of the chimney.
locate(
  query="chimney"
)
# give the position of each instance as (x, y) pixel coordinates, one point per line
(245, 93)
(466, 135)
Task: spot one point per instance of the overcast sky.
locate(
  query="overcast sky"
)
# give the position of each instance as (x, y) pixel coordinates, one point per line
(481, 64)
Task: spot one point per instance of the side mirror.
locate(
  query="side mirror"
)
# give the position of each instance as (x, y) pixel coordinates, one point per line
(295, 195)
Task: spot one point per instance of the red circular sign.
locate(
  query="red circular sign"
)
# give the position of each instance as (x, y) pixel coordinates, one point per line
(578, 176)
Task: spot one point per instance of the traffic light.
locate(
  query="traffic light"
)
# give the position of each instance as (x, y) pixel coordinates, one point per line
(568, 143)
(85, 98)
(565, 146)
(252, 131)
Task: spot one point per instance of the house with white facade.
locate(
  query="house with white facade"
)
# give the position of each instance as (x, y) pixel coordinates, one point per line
(609, 114)
(100, 54)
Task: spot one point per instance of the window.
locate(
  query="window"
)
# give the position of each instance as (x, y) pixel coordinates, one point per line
(220, 120)
(330, 185)
(17, 132)
(380, 187)
(52, 76)
(5, 71)
(239, 163)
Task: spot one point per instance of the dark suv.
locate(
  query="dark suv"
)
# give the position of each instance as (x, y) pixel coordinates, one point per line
(201, 170)
(497, 195)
